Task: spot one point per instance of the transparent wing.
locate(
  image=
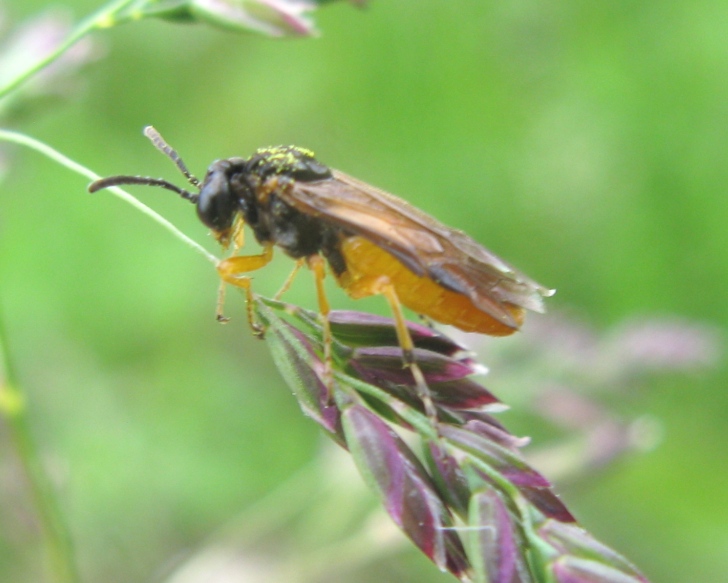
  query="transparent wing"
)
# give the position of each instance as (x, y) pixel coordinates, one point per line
(423, 244)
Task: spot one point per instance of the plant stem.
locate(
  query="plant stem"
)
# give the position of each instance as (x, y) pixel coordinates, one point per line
(13, 409)
(103, 18)
(12, 400)
(55, 155)
(13, 403)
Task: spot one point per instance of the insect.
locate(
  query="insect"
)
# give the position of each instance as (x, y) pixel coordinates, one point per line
(374, 243)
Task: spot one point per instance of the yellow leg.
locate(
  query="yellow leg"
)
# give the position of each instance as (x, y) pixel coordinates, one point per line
(317, 265)
(289, 280)
(381, 285)
(232, 271)
(219, 309)
(408, 347)
(238, 239)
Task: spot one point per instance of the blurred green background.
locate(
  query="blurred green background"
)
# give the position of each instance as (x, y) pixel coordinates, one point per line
(585, 143)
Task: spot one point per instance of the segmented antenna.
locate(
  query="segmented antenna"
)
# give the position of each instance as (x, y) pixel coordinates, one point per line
(144, 180)
(170, 152)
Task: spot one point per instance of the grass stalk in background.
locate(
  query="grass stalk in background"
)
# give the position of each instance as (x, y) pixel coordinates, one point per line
(13, 408)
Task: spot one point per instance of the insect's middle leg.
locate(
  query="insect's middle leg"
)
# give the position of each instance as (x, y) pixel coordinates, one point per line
(318, 266)
(232, 270)
(289, 280)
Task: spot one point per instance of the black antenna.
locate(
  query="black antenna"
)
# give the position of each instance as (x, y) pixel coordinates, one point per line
(168, 151)
(144, 180)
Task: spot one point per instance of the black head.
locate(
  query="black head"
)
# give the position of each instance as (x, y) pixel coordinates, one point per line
(217, 203)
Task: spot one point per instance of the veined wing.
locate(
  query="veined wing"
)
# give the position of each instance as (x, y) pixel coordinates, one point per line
(423, 244)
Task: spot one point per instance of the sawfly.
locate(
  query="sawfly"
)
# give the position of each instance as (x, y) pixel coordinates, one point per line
(373, 242)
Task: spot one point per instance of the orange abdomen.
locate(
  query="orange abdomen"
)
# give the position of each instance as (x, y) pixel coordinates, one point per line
(367, 264)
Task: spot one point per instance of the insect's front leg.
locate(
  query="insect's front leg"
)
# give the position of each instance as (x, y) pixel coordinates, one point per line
(232, 270)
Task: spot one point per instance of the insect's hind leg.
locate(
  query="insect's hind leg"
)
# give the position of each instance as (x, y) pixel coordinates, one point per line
(362, 287)
(407, 344)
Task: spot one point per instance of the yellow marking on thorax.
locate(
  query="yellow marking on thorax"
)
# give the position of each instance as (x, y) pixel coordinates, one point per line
(367, 264)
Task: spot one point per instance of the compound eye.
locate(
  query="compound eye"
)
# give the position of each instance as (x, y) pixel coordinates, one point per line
(216, 205)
